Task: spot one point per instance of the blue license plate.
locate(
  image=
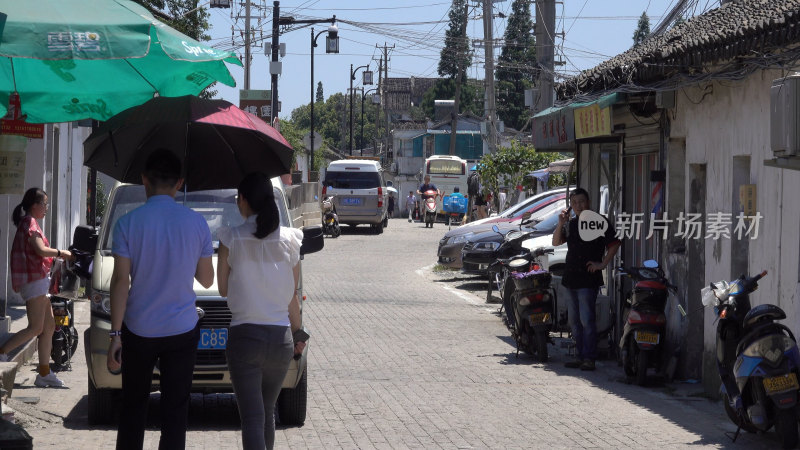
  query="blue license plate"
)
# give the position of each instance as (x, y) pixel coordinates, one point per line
(213, 338)
(351, 201)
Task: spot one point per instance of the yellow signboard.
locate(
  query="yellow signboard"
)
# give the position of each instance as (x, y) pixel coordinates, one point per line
(12, 164)
(591, 121)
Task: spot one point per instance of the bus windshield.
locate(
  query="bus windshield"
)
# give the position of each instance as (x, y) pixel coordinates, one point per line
(445, 167)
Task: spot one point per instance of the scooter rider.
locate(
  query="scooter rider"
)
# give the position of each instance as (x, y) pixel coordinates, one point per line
(428, 186)
(582, 276)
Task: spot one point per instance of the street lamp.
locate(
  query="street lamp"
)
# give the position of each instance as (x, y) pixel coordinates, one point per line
(331, 46)
(367, 79)
(364, 96)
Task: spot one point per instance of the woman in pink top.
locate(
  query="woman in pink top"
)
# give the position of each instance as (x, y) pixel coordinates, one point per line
(31, 260)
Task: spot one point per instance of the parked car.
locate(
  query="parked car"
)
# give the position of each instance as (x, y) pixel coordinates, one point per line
(211, 373)
(453, 241)
(359, 192)
(479, 249)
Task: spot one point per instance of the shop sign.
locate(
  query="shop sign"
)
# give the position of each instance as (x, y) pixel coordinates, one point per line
(592, 121)
(554, 129)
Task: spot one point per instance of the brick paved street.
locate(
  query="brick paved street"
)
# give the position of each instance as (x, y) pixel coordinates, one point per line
(401, 357)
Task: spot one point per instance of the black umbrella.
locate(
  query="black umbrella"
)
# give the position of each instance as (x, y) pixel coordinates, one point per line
(218, 143)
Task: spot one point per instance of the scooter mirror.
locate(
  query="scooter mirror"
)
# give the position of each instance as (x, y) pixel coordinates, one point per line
(495, 229)
(650, 264)
(526, 216)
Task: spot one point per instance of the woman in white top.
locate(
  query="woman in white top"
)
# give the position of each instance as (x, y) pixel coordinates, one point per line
(258, 270)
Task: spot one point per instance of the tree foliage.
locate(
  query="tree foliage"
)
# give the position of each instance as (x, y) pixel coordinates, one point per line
(456, 44)
(445, 89)
(510, 165)
(320, 97)
(515, 68)
(642, 29)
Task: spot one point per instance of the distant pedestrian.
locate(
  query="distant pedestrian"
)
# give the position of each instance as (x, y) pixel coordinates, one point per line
(159, 249)
(258, 271)
(390, 206)
(31, 260)
(411, 205)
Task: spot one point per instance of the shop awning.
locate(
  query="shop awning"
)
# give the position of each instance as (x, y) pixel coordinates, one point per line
(558, 127)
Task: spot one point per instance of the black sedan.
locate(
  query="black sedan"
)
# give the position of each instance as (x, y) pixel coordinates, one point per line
(479, 252)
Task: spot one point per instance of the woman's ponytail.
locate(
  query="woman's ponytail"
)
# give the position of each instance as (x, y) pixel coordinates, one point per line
(31, 197)
(256, 188)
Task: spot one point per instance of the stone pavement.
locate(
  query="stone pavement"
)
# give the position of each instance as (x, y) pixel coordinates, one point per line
(403, 358)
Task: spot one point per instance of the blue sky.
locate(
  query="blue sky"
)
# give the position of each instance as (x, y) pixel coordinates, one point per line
(594, 31)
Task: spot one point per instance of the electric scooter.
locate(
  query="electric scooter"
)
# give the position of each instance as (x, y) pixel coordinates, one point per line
(429, 207)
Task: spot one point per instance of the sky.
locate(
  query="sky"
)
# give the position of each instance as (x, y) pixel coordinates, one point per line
(593, 30)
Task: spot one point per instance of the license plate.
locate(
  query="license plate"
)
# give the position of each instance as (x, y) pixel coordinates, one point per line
(213, 338)
(781, 383)
(62, 320)
(643, 337)
(351, 201)
(540, 318)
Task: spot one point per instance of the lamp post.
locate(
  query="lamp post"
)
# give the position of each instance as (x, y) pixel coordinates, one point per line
(364, 96)
(367, 79)
(331, 46)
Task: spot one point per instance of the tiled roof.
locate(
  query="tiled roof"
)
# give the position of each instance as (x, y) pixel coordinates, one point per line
(747, 28)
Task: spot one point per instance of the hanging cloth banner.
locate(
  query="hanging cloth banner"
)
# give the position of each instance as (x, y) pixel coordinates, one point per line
(12, 164)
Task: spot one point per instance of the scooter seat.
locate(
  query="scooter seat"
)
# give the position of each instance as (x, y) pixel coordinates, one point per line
(763, 312)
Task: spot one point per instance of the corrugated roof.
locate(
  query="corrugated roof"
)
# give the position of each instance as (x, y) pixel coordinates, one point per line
(748, 28)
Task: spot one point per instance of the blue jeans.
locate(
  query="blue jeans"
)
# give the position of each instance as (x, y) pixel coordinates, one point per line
(581, 308)
(258, 359)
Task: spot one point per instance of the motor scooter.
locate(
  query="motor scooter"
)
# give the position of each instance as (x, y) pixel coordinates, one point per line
(645, 321)
(63, 291)
(531, 304)
(330, 220)
(758, 360)
(429, 207)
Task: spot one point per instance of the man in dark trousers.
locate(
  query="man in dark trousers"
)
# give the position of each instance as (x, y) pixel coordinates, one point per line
(583, 276)
(159, 250)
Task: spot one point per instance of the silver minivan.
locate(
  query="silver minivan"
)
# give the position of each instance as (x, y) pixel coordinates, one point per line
(359, 192)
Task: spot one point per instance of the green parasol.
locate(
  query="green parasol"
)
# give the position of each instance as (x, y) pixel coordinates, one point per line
(78, 59)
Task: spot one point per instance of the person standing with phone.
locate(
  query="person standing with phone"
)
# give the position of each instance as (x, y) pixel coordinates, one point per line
(583, 276)
(159, 249)
(258, 270)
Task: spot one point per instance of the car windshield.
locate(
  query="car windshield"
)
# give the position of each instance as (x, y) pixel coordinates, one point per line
(537, 205)
(521, 207)
(549, 223)
(352, 180)
(218, 208)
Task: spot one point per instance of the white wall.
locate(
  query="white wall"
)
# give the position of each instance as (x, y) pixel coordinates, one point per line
(723, 120)
(66, 186)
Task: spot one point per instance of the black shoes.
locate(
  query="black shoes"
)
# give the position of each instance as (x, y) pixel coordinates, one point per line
(573, 364)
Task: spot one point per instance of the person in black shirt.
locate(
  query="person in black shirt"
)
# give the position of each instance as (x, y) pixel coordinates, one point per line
(583, 276)
(427, 186)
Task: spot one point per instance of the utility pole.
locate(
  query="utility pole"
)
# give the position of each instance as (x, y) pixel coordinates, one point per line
(378, 112)
(247, 44)
(459, 79)
(491, 126)
(545, 49)
(384, 99)
(276, 18)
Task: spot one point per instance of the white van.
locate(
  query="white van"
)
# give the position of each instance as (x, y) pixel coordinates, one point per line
(446, 173)
(359, 192)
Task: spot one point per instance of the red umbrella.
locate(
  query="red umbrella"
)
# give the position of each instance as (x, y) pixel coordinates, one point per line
(218, 142)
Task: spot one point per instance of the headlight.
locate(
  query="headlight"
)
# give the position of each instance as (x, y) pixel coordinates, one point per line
(771, 347)
(460, 238)
(486, 246)
(101, 302)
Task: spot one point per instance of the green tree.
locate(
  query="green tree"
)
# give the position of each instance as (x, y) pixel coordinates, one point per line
(456, 44)
(509, 166)
(515, 67)
(445, 89)
(642, 29)
(320, 96)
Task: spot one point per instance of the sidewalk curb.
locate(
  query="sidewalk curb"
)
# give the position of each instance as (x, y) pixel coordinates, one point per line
(8, 370)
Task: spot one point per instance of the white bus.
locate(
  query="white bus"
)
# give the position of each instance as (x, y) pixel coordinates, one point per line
(447, 172)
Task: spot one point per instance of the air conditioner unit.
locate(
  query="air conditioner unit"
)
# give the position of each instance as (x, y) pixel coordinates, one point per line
(784, 116)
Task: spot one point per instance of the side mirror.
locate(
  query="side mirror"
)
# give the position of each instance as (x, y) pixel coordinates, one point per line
(526, 216)
(84, 239)
(495, 229)
(313, 240)
(650, 264)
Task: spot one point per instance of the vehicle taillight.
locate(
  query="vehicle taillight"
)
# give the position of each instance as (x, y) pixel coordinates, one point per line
(324, 189)
(634, 317)
(536, 267)
(661, 319)
(380, 197)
